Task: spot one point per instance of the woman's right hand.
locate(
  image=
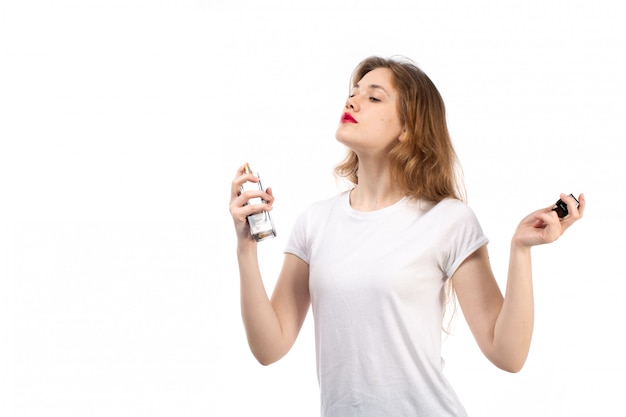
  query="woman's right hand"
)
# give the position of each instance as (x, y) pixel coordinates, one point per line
(239, 210)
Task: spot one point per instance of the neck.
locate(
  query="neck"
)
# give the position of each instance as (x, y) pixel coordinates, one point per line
(375, 189)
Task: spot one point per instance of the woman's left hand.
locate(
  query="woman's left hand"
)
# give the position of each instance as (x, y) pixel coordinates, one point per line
(544, 226)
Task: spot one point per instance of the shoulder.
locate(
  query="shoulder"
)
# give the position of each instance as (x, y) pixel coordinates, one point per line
(454, 214)
(455, 208)
(445, 216)
(452, 204)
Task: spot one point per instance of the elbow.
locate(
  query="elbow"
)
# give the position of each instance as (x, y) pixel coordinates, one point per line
(512, 368)
(266, 358)
(265, 361)
(511, 365)
(267, 352)
(509, 357)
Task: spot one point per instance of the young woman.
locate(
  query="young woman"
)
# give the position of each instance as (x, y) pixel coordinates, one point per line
(374, 261)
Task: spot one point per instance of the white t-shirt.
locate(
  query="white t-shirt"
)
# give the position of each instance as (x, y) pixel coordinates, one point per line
(376, 282)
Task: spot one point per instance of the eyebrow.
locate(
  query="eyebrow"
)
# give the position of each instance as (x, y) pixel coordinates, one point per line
(374, 86)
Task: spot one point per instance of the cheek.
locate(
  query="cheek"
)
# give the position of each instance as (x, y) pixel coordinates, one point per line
(386, 122)
(390, 124)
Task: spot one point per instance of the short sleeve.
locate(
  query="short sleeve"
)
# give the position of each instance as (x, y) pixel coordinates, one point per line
(465, 236)
(297, 242)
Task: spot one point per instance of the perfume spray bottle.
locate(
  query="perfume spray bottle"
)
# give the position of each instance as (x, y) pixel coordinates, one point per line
(261, 224)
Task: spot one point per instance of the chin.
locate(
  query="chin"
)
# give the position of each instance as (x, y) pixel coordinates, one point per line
(342, 137)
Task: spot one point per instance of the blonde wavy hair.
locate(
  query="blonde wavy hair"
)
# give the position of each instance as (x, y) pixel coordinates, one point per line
(425, 165)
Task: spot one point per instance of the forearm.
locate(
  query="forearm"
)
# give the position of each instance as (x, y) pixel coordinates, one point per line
(503, 326)
(514, 326)
(261, 323)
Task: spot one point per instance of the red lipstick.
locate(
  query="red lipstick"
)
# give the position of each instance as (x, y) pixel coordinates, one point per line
(347, 118)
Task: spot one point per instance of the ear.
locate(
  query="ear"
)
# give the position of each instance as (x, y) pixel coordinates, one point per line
(403, 135)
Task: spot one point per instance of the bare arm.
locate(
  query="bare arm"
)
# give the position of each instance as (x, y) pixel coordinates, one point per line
(271, 325)
(503, 326)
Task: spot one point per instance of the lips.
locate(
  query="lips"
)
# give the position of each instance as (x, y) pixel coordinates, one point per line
(347, 118)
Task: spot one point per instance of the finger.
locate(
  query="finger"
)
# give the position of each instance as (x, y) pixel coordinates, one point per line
(581, 207)
(239, 211)
(552, 227)
(245, 196)
(241, 207)
(245, 211)
(546, 218)
(538, 223)
(270, 196)
(573, 207)
(575, 213)
(240, 179)
(569, 201)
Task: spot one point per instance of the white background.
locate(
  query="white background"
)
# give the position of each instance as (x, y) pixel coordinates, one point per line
(122, 123)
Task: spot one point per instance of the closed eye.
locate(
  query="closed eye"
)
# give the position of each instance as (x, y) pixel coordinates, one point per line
(374, 99)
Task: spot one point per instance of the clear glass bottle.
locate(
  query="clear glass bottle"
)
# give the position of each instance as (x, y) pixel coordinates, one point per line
(261, 224)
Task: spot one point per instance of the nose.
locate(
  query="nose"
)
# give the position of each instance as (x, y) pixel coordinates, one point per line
(351, 104)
